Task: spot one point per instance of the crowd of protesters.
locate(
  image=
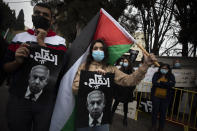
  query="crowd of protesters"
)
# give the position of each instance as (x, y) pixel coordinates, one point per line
(27, 114)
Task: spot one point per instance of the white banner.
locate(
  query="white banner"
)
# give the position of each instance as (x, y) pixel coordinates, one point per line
(183, 77)
(146, 84)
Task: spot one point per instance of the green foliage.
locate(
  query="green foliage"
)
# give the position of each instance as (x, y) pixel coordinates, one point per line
(7, 16)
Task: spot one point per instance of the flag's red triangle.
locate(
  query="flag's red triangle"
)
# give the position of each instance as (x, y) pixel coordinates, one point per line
(110, 31)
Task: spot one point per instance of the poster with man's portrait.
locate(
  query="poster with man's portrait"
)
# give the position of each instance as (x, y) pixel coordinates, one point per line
(40, 73)
(94, 99)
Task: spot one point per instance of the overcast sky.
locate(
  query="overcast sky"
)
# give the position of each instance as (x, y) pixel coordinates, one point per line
(17, 5)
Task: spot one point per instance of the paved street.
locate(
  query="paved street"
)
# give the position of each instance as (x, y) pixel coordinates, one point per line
(142, 124)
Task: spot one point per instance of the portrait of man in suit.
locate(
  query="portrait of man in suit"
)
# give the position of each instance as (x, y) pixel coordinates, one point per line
(38, 79)
(95, 106)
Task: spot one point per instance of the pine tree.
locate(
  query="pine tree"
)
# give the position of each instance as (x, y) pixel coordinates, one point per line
(19, 25)
(7, 16)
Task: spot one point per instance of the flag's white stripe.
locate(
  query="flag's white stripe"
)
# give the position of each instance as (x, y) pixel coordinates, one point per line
(119, 26)
(25, 36)
(65, 101)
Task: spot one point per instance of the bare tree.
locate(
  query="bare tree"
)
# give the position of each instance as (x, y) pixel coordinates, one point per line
(156, 20)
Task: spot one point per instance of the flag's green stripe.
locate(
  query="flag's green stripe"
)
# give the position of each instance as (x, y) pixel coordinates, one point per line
(116, 52)
(70, 126)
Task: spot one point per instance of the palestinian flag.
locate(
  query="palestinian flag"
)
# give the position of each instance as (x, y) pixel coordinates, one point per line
(116, 37)
(102, 26)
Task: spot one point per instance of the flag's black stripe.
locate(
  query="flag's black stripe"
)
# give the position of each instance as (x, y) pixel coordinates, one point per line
(81, 43)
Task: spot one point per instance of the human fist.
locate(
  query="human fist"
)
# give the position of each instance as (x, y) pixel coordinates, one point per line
(101, 71)
(150, 59)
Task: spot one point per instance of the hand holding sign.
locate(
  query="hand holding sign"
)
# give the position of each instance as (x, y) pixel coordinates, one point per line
(101, 71)
(21, 53)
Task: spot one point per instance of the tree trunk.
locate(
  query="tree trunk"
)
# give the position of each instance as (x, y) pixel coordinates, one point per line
(195, 46)
(155, 51)
(185, 49)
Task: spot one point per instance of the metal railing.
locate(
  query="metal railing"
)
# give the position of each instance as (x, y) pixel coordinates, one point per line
(182, 108)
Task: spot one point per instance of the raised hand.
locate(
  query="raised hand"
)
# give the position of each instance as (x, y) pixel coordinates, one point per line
(150, 59)
(21, 53)
(41, 34)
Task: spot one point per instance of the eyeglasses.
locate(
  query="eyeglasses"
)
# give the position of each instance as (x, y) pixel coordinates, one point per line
(37, 12)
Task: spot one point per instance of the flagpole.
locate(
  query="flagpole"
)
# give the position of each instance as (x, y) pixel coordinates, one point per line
(6, 33)
(147, 54)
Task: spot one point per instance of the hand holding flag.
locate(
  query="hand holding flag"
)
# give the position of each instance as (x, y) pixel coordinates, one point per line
(147, 54)
(149, 59)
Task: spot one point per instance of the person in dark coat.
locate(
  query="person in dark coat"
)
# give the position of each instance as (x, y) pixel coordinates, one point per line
(163, 81)
(124, 94)
(27, 114)
(3, 47)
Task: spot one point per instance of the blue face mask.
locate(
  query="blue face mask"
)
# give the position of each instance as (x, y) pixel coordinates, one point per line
(121, 63)
(164, 71)
(177, 65)
(125, 64)
(98, 55)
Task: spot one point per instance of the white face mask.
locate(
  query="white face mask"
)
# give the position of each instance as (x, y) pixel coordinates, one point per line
(125, 64)
(164, 71)
(98, 55)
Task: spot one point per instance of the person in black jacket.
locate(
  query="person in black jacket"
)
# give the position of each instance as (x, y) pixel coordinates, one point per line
(3, 47)
(162, 81)
(27, 114)
(124, 94)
